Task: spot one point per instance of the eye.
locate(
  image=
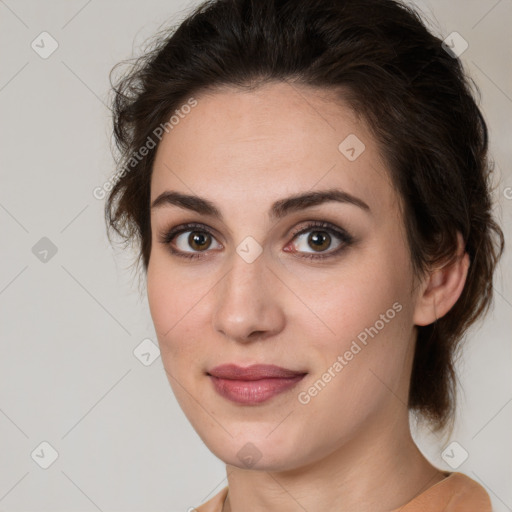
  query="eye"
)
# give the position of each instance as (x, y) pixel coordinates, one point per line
(199, 239)
(320, 240)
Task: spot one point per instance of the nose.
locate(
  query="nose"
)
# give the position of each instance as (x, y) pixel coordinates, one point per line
(247, 306)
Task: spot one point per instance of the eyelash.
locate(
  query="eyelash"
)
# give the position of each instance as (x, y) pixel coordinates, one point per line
(345, 238)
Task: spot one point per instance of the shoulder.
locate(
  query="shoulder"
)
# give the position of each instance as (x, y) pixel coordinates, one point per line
(214, 504)
(456, 493)
(467, 494)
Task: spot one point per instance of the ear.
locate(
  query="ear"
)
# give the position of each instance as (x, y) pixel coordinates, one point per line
(442, 288)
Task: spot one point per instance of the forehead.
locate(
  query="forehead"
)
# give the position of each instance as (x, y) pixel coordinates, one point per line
(261, 145)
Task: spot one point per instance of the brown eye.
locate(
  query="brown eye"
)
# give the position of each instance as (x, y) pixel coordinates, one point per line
(199, 240)
(314, 243)
(319, 240)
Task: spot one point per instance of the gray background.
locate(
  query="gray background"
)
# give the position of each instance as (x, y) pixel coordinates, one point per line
(70, 324)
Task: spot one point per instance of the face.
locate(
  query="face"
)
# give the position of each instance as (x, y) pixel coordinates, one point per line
(320, 288)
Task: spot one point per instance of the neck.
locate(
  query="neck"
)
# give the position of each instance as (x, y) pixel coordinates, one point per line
(381, 469)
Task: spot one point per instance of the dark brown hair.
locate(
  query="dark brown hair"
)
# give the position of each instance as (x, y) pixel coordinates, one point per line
(414, 96)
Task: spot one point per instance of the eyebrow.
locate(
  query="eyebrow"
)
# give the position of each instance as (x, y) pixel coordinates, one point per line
(278, 210)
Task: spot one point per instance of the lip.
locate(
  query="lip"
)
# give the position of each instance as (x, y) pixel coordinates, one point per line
(253, 372)
(252, 384)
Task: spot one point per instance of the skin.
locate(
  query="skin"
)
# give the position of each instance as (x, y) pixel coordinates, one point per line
(350, 447)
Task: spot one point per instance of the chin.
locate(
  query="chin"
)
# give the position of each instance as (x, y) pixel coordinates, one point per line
(257, 451)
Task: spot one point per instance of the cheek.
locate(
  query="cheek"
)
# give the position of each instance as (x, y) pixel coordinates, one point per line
(345, 302)
(168, 300)
(160, 297)
(177, 303)
(364, 315)
(363, 365)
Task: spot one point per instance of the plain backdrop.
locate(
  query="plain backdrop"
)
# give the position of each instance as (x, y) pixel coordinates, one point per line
(73, 383)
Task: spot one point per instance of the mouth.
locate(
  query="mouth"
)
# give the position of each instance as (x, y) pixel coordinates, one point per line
(253, 384)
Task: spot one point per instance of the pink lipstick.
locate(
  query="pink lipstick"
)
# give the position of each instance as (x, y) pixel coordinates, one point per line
(253, 384)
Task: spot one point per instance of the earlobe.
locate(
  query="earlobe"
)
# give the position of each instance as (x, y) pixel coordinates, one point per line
(442, 288)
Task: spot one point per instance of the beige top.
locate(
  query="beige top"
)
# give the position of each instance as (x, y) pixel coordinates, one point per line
(456, 493)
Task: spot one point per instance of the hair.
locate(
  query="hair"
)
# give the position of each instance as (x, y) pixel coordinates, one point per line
(414, 96)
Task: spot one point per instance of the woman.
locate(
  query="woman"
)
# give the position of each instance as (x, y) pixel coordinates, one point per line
(309, 186)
